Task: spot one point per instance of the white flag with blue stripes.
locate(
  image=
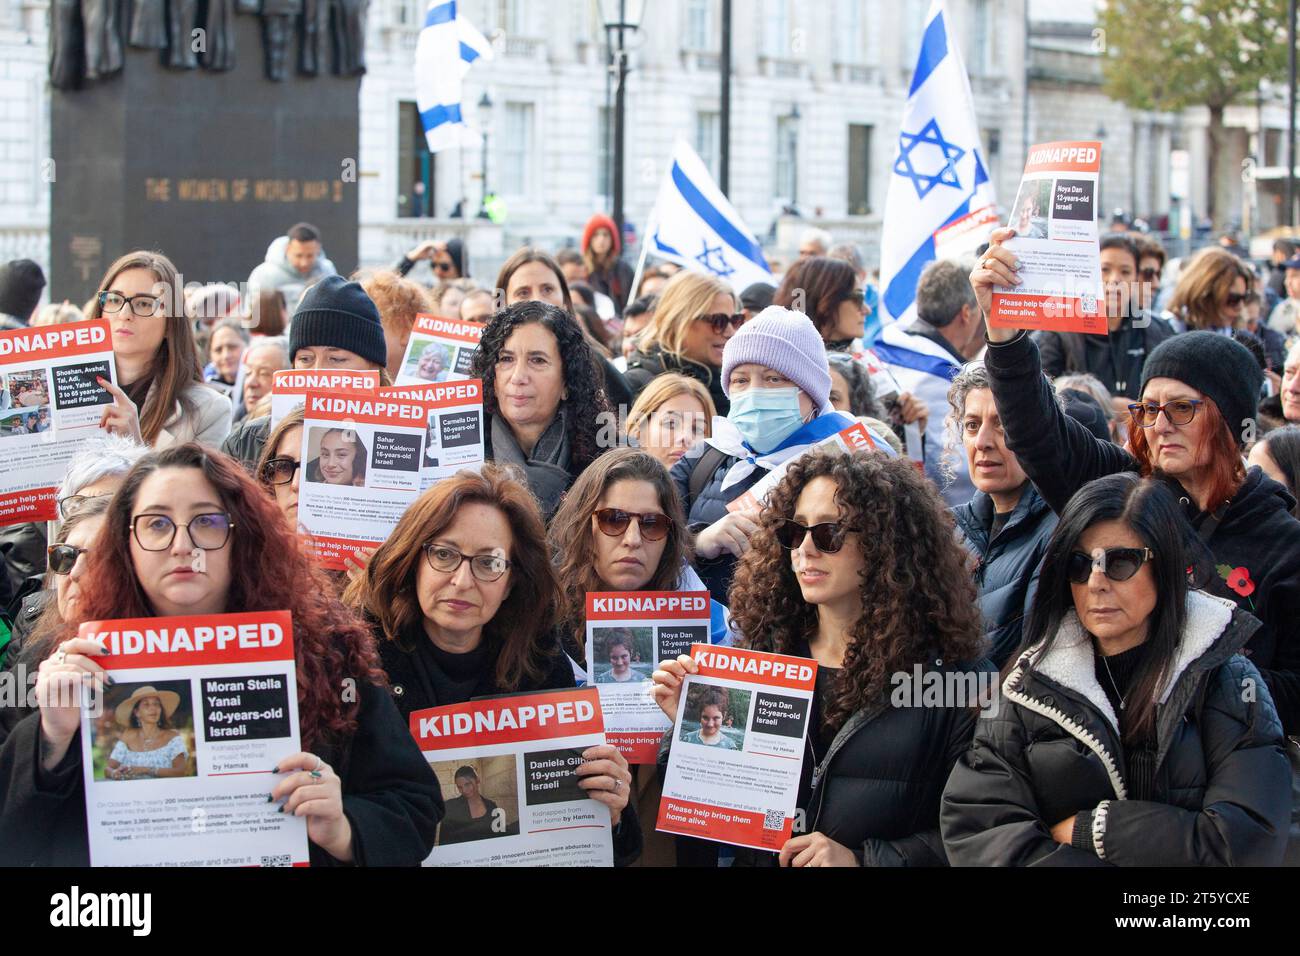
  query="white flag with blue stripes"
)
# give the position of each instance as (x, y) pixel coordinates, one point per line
(446, 48)
(694, 225)
(939, 182)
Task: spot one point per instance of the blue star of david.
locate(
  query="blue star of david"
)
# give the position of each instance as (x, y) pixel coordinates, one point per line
(718, 266)
(924, 182)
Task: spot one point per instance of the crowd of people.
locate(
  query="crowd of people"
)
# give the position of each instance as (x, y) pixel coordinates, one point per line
(1100, 531)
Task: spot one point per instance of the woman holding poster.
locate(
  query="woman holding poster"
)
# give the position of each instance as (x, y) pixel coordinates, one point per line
(1196, 412)
(811, 586)
(190, 533)
(462, 597)
(162, 399)
(280, 467)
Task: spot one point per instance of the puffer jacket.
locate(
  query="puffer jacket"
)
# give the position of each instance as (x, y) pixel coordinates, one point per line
(644, 367)
(1007, 574)
(1222, 779)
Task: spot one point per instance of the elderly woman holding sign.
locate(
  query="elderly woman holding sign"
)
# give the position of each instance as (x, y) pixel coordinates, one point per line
(188, 534)
(1195, 414)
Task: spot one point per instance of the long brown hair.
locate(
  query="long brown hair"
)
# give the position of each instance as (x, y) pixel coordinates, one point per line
(1224, 466)
(918, 598)
(176, 364)
(269, 572)
(571, 531)
(1203, 288)
(520, 631)
(816, 286)
(290, 421)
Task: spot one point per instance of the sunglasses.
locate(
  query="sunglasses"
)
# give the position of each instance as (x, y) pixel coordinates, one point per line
(444, 266)
(62, 557)
(279, 471)
(72, 504)
(857, 297)
(1235, 299)
(827, 537)
(1149, 275)
(1118, 564)
(1178, 412)
(720, 320)
(613, 522)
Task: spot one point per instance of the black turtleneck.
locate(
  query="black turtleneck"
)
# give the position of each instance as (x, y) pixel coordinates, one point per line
(1116, 674)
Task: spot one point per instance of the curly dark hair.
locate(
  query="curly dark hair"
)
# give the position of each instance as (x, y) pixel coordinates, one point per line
(582, 377)
(918, 597)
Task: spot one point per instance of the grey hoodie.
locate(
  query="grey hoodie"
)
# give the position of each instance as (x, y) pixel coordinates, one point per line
(275, 272)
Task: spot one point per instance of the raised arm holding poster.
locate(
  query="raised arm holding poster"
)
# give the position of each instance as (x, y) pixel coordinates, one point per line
(628, 633)
(289, 387)
(1055, 219)
(508, 772)
(738, 747)
(50, 403)
(439, 350)
(361, 460)
(178, 762)
(454, 436)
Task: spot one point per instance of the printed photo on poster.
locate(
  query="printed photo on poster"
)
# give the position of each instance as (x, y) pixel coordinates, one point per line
(1033, 205)
(481, 798)
(430, 362)
(623, 654)
(337, 457)
(715, 717)
(145, 732)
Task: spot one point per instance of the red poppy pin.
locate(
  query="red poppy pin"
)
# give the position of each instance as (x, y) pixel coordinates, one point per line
(1238, 580)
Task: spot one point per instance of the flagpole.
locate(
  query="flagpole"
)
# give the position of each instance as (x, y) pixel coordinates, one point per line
(645, 250)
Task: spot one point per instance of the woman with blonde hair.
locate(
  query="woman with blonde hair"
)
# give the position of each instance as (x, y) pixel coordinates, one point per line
(693, 320)
(671, 415)
(1211, 292)
(160, 399)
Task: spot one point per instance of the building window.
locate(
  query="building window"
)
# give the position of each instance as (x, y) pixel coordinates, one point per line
(913, 26)
(708, 140)
(516, 150)
(410, 13)
(776, 29)
(604, 155)
(850, 32)
(786, 186)
(1274, 148)
(699, 24)
(414, 164)
(981, 34)
(507, 16)
(859, 170)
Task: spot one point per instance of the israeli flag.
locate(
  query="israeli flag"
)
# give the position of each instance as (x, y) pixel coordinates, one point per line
(694, 225)
(446, 48)
(941, 202)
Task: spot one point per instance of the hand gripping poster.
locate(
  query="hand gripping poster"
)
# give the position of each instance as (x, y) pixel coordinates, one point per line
(738, 747)
(179, 753)
(628, 634)
(508, 771)
(50, 403)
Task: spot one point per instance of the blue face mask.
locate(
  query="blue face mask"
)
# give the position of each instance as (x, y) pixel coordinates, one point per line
(765, 417)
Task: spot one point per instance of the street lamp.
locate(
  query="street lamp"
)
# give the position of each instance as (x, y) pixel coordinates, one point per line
(484, 123)
(620, 16)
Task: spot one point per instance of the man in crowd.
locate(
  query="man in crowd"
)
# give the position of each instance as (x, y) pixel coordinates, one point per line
(21, 285)
(1283, 317)
(815, 242)
(1115, 359)
(1283, 249)
(293, 262)
(925, 357)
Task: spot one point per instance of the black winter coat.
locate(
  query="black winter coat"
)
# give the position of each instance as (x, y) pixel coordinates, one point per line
(1256, 531)
(246, 441)
(1007, 574)
(1116, 359)
(390, 796)
(643, 367)
(1222, 779)
(412, 686)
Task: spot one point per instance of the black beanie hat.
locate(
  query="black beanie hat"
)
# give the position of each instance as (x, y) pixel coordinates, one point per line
(21, 285)
(1224, 370)
(336, 313)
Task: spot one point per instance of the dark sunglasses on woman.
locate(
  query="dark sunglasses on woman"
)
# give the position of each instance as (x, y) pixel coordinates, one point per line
(828, 537)
(279, 471)
(720, 320)
(614, 522)
(62, 557)
(1118, 564)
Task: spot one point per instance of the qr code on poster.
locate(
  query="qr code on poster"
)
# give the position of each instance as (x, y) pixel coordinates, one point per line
(1088, 304)
(773, 820)
(282, 860)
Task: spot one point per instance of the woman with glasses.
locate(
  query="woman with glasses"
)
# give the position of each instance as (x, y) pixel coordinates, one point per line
(1132, 730)
(160, 399)
(541, 391)
(462, 600)
(827, 291)
(1195, 413)
(188, 533)
(856, 565)
(695, 316)
(280, 467)
(1211, 291)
